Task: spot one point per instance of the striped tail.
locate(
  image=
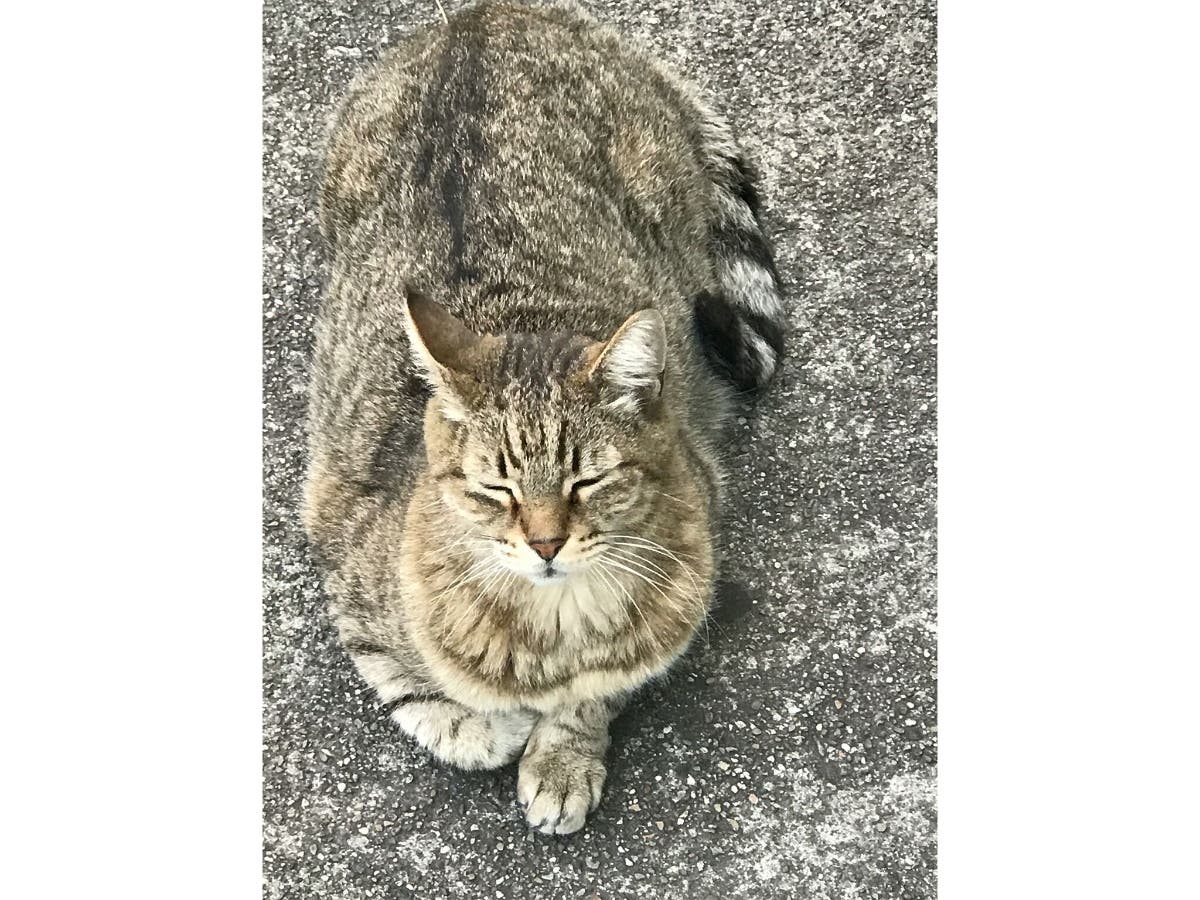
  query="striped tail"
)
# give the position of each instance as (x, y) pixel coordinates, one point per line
(741, 325)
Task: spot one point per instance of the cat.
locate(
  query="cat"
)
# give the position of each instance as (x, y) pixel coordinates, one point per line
(548, 281)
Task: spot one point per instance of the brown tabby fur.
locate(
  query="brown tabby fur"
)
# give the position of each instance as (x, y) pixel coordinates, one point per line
(588, 234)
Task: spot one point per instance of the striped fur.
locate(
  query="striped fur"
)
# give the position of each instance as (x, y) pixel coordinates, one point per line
(741, 324)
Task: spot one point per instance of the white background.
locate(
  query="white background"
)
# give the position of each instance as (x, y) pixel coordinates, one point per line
(131, 407)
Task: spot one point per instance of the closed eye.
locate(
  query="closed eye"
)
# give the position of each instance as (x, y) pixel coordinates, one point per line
(583, 484)
(498, 487)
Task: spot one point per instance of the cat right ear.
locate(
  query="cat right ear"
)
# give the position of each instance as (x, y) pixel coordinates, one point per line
(633, 362)
(444, 347)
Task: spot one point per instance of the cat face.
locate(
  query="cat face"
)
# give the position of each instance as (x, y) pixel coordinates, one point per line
(545, 491)
(550, 452)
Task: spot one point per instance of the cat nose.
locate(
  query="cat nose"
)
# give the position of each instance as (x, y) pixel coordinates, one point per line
(547, 548)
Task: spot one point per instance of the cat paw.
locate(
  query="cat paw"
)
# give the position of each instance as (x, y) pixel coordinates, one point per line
(462, 737)
(558, 788)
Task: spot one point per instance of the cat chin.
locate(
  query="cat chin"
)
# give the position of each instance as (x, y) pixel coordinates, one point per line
(541, 579)
(560, 577)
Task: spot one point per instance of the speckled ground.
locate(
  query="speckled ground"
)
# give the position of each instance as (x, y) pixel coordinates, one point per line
(793, 752)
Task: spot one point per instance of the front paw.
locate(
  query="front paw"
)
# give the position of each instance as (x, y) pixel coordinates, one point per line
(558, 788)
(463, 737)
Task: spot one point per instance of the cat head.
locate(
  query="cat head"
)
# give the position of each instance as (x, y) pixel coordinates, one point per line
(549, 451)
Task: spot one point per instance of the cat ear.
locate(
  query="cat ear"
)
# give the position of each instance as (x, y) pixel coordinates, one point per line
(633, 360)
(441, 343)
(443, 347)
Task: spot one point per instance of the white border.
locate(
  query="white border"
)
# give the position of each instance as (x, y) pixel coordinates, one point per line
(1068, 298)
(131, 509)
(1067, 385)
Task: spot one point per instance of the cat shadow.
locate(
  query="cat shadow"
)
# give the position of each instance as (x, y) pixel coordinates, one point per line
(691, 687)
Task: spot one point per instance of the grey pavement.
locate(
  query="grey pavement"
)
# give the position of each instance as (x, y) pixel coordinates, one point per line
(792, 753)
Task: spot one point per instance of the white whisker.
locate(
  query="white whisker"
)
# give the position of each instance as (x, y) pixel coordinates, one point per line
(611, 581)
(632, 547)
(492, 572)
(653, 547)
(475, 570)
(645, 563)
(468, 535)
(650, 545)
(636, 608)
(629, 555)
(657, 585)
(671, 497)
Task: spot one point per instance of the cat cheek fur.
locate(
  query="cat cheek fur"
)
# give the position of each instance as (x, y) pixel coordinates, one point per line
(619, 505)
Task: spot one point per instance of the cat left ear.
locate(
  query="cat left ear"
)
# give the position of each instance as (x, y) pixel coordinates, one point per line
(441, 343)
(634, 360)
(447, 350)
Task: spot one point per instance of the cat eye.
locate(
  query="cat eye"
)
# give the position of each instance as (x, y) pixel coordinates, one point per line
(486, 499)
(577, 486)
(499, 487)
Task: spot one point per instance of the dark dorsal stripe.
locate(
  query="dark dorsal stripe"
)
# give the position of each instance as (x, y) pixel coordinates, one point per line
(454, 106)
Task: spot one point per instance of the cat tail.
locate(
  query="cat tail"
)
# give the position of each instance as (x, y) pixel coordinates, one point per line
(741, 324)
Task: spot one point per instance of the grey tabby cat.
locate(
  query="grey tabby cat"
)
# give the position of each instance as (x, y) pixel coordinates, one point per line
(559, 237)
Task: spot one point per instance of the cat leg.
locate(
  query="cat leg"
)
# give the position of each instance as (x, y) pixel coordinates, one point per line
(453, 733)
(460, 736)
(562, 773)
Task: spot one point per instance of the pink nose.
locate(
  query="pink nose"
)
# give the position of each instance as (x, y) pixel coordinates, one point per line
(547, 548)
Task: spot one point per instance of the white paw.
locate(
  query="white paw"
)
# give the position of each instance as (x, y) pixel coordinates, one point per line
(463, 737)
(558, 788)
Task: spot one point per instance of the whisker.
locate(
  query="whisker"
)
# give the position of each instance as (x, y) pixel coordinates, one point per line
(657, 585)
(633, 602)
(468, 535)
(653, 546)
(503, 576)
(464, 551)
(436, 501)
(672, 497)
(467, 574)
(631, 548)
(612, 582)
(492, 572)
(473, 571)
(496, 579)
(629, 555)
